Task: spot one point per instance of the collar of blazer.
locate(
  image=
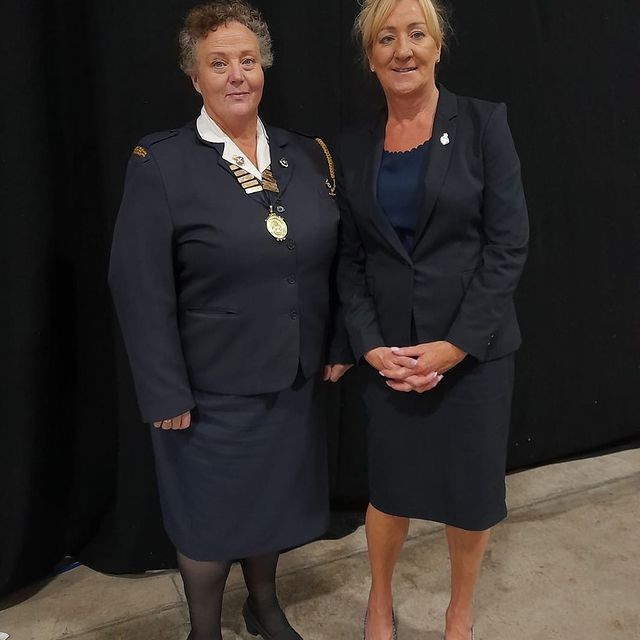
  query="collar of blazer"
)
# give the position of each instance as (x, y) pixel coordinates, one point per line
(282, 163)
(438, 160)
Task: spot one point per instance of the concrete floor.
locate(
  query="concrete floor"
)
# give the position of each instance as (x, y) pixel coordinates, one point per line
(566, 564)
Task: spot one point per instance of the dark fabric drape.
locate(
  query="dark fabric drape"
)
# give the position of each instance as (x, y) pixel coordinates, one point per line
(82, 81)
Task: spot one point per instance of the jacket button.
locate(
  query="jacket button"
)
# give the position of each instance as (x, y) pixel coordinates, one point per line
(294, 315)
(291, 244)
(291, 279)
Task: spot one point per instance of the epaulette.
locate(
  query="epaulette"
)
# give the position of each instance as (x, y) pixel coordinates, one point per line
(142, 150)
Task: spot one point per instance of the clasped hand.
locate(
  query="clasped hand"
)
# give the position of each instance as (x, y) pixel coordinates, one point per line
(417, 368)
(183, 421)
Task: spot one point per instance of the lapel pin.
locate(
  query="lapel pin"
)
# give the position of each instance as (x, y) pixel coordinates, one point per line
(239, 160)
(444, 141)
(284, 162)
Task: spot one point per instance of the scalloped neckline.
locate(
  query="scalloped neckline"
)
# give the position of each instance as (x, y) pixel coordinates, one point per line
(399, 153)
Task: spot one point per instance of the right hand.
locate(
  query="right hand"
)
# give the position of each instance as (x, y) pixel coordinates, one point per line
(178, 423)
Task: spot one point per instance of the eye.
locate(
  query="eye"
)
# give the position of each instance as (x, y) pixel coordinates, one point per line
(385, 40)
(248, 62)
(417, 35)
(217, 64)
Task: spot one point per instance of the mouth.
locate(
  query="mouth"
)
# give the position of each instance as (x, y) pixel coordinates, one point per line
(404, 69)
(237, 94)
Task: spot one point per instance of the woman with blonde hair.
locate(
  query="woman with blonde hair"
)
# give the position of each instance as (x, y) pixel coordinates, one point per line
(434, 239)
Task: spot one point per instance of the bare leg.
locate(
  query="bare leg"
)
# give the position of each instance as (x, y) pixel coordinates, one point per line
(385, 536)
(466, 550)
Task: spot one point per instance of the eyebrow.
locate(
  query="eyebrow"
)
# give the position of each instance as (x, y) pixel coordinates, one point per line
(223, 54)
(411, 26)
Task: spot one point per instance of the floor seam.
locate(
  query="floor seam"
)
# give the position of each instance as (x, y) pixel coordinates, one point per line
(115, 623)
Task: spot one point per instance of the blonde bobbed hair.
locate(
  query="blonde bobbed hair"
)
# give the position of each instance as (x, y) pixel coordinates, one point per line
(373, 14)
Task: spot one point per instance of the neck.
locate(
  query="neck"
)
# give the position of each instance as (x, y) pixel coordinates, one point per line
(243, 131)
(413, 106)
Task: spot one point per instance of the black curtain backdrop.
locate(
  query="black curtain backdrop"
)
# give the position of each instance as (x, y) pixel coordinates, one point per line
(82, 81)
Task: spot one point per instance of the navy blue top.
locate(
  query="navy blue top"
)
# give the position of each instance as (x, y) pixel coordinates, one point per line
(401, 190)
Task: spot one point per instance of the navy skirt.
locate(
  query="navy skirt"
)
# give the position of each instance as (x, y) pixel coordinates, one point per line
(441, 455)
(248, 477)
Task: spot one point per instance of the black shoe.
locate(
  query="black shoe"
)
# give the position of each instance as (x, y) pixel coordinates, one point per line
(256, 629)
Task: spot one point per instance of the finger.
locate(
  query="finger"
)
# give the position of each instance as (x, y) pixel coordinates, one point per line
(401, 361)
(419, 381)
(176, 422)
(185, 420)
(399, 386)
(337, 371)
(397, 373)
(166, 425)
(326, 374)
(427, 362)
(408, 352)
(429, 386)
(157, 425)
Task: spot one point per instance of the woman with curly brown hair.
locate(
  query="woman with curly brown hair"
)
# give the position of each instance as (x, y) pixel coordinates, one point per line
(220, 273)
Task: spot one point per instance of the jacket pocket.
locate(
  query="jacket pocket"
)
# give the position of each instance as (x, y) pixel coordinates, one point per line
(213, 312)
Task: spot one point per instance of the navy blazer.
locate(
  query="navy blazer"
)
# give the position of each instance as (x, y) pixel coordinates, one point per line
(457, 283)
(206, 298)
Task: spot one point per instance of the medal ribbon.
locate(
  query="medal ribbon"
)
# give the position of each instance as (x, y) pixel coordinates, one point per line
(276, 224)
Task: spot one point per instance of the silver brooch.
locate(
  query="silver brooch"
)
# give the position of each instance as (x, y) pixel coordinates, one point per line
(284, 162)
(239, 160)
(444, 141)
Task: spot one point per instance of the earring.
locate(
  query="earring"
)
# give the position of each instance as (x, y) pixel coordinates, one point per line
(372, 70)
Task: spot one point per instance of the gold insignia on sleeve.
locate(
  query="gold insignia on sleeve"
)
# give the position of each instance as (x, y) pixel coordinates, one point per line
(140, 151)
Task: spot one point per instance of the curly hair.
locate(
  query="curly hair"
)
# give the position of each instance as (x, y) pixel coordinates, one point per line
(208, 17)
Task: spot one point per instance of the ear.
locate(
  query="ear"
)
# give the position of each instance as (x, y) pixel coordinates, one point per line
(196, 85)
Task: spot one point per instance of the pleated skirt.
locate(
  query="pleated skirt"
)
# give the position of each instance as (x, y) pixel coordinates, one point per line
(441, 455)
(248, 477)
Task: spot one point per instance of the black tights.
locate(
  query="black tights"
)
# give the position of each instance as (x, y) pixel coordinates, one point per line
(204, 583)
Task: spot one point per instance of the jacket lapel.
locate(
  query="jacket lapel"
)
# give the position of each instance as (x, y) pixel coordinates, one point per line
(373, 158)
(443, 140)
(282, 164)
(223, 164)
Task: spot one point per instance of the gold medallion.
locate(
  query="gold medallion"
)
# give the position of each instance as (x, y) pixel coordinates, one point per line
(276, 226)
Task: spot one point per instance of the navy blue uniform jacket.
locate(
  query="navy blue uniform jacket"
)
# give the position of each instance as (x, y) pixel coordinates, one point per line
(206, 298)
(457, 283)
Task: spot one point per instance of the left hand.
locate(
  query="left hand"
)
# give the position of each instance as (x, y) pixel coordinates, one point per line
(333, 372)
(431, 357)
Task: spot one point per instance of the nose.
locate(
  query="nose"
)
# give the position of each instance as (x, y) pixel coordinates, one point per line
(236, 73)
(403, 48)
